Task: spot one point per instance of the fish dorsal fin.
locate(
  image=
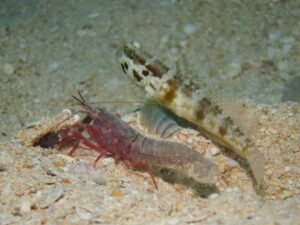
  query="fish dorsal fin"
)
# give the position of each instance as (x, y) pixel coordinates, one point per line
(241, 111)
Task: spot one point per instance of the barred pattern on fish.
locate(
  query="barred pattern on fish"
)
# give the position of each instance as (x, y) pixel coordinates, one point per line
(166, 86)
(156, 120)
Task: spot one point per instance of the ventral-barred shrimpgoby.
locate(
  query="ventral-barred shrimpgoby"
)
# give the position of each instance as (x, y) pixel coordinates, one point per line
(190, 101)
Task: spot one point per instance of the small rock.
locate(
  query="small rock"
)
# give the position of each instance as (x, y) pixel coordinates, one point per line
(190, 140)
(173, 221)
(213, 196)
(287, 168)
(229, 190)
(234, 69)
(93, 15)
(98, 179)
(83, 213)
(189, 28)
(47, 196)
(214, 150)
(235, 189)
(286, 194)
(8, 69)
(231, 163)
(164, 39)
(26, 206)
(108, 161)
(53, 66)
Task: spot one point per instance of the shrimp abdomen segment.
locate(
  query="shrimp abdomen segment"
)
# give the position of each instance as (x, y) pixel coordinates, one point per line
(176, 156)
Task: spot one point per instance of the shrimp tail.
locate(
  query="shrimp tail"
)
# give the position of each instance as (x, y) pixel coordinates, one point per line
(175, 156)
(203, 171)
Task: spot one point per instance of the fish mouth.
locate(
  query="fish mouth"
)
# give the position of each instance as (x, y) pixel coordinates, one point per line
(119, 54)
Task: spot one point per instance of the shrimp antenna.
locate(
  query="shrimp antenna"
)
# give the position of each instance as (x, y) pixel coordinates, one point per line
(81, 100)
(80, 95)
(83, 103)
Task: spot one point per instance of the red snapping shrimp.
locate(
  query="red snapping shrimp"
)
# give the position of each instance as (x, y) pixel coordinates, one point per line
(109, 135)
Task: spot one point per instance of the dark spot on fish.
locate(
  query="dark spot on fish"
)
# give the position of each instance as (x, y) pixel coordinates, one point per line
(227, 122)
(212, 123)
(157, 68)
(204, 103)
(136, 76)
(216, 110)
(145, 72)
(187, 90)
(200, 115)
(237, 132)
(126, 66)
(123, 67)
(222, 131)
(151, 85)
(133, 55)
(171, 93)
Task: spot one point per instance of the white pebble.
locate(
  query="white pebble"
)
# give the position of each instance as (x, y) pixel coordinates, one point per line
(213, 196)
(287, 168)
(236, 189)
(189, 28)
(8, 69)
(214, 150)
(231, 163)
(173, 221)
(229, 190)
(190, 140)
(290, 182)
(53, 66)
(274, 36)
(83, 213)
(136, 44)
(76, 117)
(164, 39)
(234, 69)
(66, 111)
(93, 15)
(108, 161)
(98, 179)
(25, 206)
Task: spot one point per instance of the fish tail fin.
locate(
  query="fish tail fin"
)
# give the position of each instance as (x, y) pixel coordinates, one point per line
(257, 164)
